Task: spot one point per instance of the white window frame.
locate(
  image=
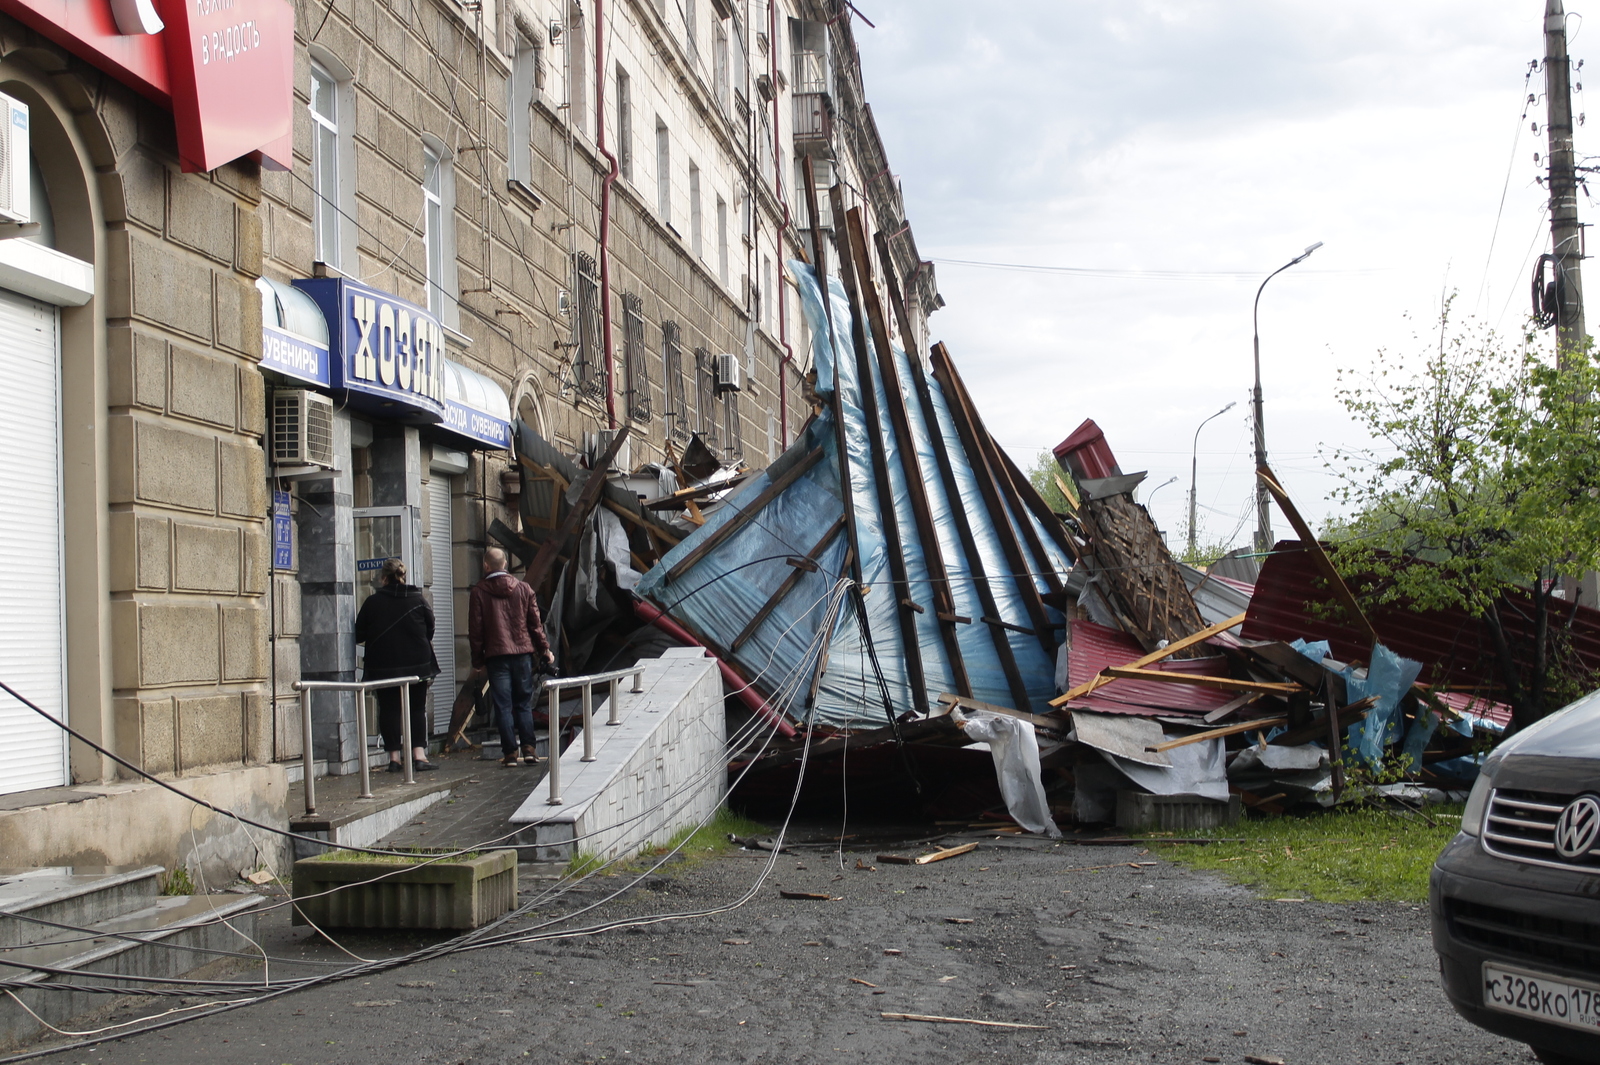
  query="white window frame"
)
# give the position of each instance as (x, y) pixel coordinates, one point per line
(624, 124)
(333, 228)
(696, 221)
(722, 241)
(438, 187)
(522, 89)
(663, 171)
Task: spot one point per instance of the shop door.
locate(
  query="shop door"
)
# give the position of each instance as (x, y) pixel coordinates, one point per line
(441, 697)
(32, 644)
(382, 533)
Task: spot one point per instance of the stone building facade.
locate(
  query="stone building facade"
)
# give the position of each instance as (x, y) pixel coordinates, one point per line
(589, 198)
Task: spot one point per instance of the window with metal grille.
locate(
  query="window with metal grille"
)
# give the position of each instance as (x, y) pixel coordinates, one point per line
(705, 397)
(636, 375)
(673, 385)
(589, 362)
(732, 426)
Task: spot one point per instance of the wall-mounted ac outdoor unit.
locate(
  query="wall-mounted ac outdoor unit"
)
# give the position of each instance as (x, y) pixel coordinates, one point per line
(302, 429)
(16, 199)
(730, 374)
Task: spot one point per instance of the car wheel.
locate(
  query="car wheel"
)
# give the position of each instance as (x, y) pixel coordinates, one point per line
(1551, 1057)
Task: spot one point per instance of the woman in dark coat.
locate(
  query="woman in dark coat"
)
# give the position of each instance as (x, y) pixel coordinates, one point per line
(396, 624)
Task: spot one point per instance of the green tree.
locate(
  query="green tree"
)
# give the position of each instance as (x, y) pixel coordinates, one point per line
(1043, 473)
(1485, 465)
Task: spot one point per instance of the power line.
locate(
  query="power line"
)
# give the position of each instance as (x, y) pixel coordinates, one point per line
(1149, 275)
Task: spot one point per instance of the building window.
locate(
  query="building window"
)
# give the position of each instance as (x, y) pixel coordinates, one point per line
(719, 63)
(438, 220)
(588, 366)
(691, 32)
(635, 375)
(732, 426)
(696, 224)
(328, 176)
(522, 89)
(705, 397)
(624, 124)
(577, 66)
(722, 241)
(673, 386)
(663, 172)
(766, 293)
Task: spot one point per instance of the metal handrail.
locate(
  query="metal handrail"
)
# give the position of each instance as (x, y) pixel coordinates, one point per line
(555, 686)
(306, 687)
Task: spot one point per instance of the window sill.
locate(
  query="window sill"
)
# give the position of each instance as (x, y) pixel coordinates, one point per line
(520, 191)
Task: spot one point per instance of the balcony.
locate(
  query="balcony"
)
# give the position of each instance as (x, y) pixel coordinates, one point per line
(811, 72)
(813, 123)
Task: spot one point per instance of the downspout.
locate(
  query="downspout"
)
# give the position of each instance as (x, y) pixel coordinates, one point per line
(605, 205)
(788, 223)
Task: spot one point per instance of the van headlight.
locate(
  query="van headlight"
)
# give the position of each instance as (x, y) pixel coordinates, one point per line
(1477, 803)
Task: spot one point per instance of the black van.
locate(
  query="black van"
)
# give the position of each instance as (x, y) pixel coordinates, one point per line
(1515, 897)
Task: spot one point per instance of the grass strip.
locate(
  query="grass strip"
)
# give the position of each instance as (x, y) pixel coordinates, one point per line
(1343, 855)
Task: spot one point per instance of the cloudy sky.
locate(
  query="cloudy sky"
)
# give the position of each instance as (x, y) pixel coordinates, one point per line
(1211, 139)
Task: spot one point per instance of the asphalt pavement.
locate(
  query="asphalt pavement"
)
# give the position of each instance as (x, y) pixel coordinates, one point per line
(1114, 954)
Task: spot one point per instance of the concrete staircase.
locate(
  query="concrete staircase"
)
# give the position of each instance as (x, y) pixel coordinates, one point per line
(137, 931)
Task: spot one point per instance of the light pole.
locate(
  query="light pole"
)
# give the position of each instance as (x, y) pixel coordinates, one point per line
(1263, 514)
(1157, 488)
(1194, 470)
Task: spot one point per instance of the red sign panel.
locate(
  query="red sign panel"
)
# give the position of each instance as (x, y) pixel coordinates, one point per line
(225, 67)
(230, 64)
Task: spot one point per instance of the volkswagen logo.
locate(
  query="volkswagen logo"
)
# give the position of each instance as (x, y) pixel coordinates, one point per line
(1577, 827)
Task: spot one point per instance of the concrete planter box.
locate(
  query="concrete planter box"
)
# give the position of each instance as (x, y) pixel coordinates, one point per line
(1174, 813)
(460, 893)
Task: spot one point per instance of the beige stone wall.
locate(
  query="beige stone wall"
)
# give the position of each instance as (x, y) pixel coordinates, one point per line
(185, 468)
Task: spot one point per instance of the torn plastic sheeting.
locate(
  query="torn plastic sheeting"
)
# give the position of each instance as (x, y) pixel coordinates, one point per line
(1388, 678)
(1015, 750)
(1119, 734)
(1197, 769)
(613, 542)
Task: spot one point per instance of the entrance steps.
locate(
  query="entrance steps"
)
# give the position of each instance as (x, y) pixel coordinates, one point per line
(133, 930)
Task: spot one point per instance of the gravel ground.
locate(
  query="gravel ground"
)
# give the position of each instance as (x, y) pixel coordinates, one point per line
(1120, 956)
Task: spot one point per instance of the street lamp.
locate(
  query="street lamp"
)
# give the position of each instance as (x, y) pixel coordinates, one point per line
(1263, 515)
(1194, 470)
(1157, 488)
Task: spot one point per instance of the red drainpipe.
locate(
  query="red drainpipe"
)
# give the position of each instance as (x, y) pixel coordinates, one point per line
(605, 203)
(650, 613)
(777, 182)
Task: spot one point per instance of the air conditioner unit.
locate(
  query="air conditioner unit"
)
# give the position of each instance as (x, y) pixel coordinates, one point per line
(16, 200)
(302, 429)
(730, 374)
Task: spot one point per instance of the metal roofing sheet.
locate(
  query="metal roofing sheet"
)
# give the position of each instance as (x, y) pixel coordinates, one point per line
(1094, 647)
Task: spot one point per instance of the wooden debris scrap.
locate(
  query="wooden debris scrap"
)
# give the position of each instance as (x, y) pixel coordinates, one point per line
(936, 856)
(1263, 724)
(930, 1019)
(863, 983)
(821, 896)
(959, 920)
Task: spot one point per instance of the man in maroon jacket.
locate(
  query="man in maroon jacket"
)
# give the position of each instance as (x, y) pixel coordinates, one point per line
(505, 632)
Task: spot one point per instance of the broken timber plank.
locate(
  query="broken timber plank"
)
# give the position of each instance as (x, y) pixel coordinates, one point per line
(1216, 733)
(786, 587)
(744, 514)
(1230, 707)
(1227, 683)
(1319, 556)
(1038, 720)
(535, 574)
(1154, 656)
(930, 1019)
(948, 852)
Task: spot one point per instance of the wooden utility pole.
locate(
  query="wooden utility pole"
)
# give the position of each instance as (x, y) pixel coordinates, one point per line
(1566, 235)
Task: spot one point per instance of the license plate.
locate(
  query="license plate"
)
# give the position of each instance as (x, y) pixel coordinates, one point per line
(1547, 998)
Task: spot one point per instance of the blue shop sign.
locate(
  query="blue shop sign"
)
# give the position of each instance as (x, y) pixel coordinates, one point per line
(475, 407)
(387, 354)
(293, 356)
(476, 425)
(282, 532)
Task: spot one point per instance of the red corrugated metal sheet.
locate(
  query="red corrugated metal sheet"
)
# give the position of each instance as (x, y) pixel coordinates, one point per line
(1453, 647)
(1086, 453)
(1094, 647)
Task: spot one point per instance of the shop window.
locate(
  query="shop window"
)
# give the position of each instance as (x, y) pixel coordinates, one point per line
(635, 375)
(522, 89)
(673, 386)
(589, 370)
(438, 230)
(624, 124)
(332, 161)
(705, 397)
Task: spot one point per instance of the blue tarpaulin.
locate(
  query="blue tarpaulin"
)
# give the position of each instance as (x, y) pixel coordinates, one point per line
(722, 592)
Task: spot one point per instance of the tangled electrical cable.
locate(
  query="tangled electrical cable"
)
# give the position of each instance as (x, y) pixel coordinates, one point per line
(812, 661)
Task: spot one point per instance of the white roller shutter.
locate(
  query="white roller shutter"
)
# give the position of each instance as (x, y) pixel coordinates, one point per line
(34, 752)
(440, 552)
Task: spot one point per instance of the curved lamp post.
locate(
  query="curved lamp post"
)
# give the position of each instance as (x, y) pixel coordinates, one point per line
(1194, 469)
(1263, 514)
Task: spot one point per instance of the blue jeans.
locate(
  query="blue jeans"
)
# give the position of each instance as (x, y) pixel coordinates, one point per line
(511, 684)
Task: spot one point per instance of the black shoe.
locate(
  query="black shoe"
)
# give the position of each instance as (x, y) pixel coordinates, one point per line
(395, 767)
(423, 767)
